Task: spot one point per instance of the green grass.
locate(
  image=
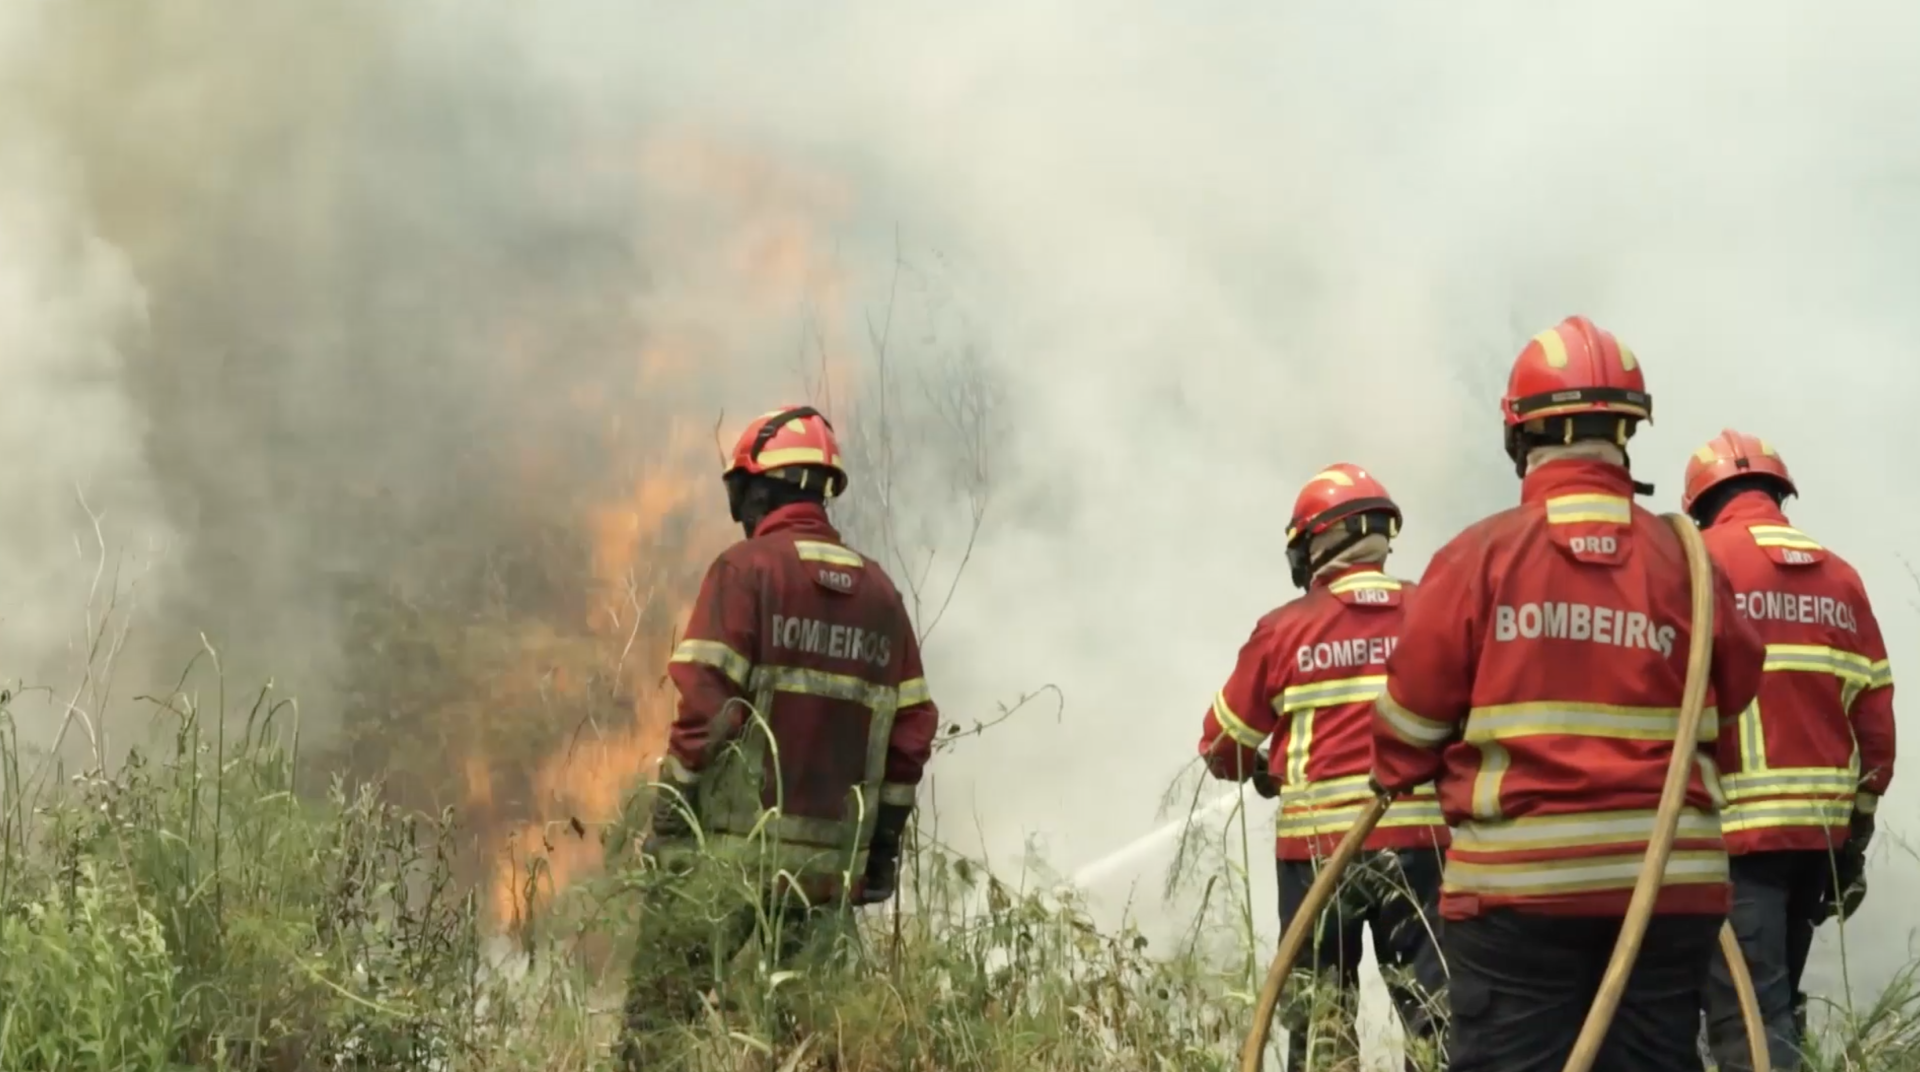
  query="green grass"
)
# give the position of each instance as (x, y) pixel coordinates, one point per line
(191, 908)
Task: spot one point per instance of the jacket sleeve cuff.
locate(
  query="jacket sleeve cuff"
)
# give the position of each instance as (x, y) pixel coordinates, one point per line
(677, 772)
(1866, 803)
(898, 795)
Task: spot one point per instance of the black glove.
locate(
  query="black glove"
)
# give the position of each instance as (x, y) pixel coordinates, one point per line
(1849, 882)
(1264, 783)
(1860, 832)
(883, 853)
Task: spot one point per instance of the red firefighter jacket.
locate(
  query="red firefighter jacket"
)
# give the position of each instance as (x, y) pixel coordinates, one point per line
(1308, 677)
(800, 689)
(1822, 730)
(1539, 674)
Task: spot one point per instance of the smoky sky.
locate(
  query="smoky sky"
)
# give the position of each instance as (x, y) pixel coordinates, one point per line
(319, 286)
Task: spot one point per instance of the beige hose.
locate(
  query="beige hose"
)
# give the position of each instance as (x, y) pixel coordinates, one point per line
(1749, 1001)
(1673, 796)
(1639, 909)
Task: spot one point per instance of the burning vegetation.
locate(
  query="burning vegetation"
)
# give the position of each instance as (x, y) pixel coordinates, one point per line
(517, 673)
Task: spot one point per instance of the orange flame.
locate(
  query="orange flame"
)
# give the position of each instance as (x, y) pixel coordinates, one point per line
(650, 544)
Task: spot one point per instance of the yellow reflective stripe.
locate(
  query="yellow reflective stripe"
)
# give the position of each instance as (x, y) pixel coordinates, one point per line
(1769, 814)
(1299, 702)
(1329, 693)
(1328, 792)
(1782, 536)
(1299, 744)
(1866, 803)
(1578, 876)
(823, 683)
(1605, 509)
(1557, 718)
(830, 553)
(1378, 582)
(1817, 658)
(1856, 673)
(1832, 782)
(1409, 727)
(1753, 740)
(1494, 761)
(898, 795)
(776, 459)
(1233, 725)
(1408, 811)
(914, 691)
(713, 653)
(1533, 833)
(1880, 674)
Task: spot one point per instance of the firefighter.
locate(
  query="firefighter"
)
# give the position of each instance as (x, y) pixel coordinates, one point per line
(1539, 677)
(1307, 678)
(1803, 766)
(803, 728)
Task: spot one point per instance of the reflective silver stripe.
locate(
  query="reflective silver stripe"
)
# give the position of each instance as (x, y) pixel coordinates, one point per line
(1560, 719)
(1866, 803)
(1299, 743)
(1406, 812)
(713, 653)
(1819, 659)
(1882, 674)
(830, 553)
(1834, 782)
(822, 683)
(1344, 690)
(1233, 725)
(1494, 761)
(914, 691)
(741, 814)
(1409, 727)
(1753, 740)
(1767, 814)
(1533, 833)
(1600, 509)
(1329, 791)
(1577, 876)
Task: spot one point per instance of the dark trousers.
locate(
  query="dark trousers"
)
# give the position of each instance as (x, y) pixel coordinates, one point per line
(1393, 893)
(682, 949)
(1777, 899)
(1521, 987)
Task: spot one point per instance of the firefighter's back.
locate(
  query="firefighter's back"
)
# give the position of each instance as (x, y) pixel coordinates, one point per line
(1790, 758)
(1575, 705)
(1333, 643)
(831, 657)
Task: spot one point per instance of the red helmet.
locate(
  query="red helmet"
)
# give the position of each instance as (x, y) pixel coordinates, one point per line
(794, 444)
(1344, 495)
(1728, 455)
(1575, 367)
(1572, 369)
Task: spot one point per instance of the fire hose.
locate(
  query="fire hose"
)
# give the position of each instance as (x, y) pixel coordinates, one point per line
(1646, 888)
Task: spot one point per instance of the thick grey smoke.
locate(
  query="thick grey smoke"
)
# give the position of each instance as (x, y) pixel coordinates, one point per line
(386, 248)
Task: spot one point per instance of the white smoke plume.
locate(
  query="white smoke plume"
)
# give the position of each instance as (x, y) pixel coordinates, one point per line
(1211, 250)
